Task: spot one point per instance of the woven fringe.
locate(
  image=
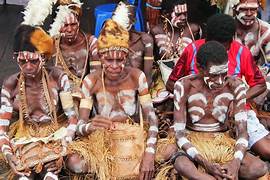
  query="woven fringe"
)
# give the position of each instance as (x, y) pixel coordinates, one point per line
(94, 150)
(162, 144)
(215, 147)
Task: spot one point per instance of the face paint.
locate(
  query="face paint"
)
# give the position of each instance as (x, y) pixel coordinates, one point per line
(70, 28)
(247, 13)
(179, 16)
(215, 77)
(220, 69)
(30, 63)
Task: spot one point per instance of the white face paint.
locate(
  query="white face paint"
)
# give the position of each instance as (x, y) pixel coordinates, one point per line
(215, 78)
(247, 13)
(179, 15)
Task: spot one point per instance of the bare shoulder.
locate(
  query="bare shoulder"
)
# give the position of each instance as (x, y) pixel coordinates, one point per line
(194, 27)
(146, 38)
(137, 76)
(186, 82)
(234, 83)
(95, 76)
(158, 29)
(11, 82)
(55, 72)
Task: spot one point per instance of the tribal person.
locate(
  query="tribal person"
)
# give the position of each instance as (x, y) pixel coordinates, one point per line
(140, 43)
(115, 92)
(76, 51)
(171, 37)
(251, 31)
(222, 28)
(35, 93)
(201, 117)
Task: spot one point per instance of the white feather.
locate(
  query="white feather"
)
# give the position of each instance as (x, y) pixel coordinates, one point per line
(37, 11)
(59, 20)
(121, 15)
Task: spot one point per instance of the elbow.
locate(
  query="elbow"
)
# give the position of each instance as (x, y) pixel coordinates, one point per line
(170, 85)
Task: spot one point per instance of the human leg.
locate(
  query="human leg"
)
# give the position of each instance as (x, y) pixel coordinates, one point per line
(252, 167)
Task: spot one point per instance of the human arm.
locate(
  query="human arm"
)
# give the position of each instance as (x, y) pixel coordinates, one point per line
(147, 165)
(5, 116)
(68, 108)
(94, 61)
(84, 126)
(252, 74)
(181, 94)
(178, 71)
(148, 56)
(240, 116)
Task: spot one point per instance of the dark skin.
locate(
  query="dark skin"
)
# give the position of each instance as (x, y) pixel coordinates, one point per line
(181, 30)
(34, 94)
(138, 51)
(214, 171)
(252, 92)
(116, 77)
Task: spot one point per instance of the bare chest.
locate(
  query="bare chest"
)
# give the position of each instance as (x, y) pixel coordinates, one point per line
(37, 102)
(209, 107)
(76, 58)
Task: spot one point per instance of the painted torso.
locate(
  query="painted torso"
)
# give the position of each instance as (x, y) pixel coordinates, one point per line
(256, 39)
(179, 41)
(75, 56)
(205, 106)
(116, 101)
(37, 105)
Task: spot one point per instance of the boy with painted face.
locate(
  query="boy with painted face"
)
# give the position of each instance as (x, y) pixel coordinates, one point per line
(201, 113)
(115, 92)
(34, 93)
(251, 31)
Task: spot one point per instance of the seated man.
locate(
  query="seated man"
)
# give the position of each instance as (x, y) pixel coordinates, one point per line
(201, 121)
(118, 92)
(222, 28)
(76, 51)
(171, 36)
(34, 93)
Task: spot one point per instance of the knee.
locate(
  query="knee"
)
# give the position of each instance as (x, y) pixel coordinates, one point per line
(75, 164)
(180, 164)
(256, 170)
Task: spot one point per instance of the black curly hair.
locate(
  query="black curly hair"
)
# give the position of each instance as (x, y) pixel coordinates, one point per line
(22, 39)
(221, 28)
(211, 52)
(168, 5)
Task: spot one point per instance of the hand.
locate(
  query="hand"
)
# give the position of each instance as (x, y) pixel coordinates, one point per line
(68, 138)
(216, 170)
(147, 166)
(231, 169)
(13, 161)
(101, 122)
(54, 166)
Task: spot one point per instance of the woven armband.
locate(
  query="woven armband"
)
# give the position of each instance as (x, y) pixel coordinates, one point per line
(86, 103)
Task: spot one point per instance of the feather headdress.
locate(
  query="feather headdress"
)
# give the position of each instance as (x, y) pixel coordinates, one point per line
(37, 11)
(123, 14)
(67, 7)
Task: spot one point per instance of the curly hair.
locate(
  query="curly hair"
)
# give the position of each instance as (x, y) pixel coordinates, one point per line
(168, 5)
(221, 28)
(211, 52)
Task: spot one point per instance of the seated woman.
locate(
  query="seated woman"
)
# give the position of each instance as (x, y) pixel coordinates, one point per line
(115, 92)
(201, 121)
(35, 93)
